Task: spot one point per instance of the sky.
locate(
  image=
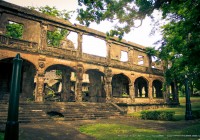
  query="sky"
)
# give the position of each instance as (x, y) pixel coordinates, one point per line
(139, 35)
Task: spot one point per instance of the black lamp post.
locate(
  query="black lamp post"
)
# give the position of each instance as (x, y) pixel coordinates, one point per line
(12, 125)
(188, 111)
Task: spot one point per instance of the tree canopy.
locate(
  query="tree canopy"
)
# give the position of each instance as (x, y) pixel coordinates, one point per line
(180, 47)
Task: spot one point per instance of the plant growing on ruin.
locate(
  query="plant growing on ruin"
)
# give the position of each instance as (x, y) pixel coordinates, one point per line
(124, 94)
(54, 38)
(14, 30)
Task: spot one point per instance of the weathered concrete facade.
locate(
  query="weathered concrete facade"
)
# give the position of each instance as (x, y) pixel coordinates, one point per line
(111, 80)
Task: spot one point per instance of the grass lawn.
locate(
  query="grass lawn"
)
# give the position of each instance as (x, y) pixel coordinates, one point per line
(179, 129)
(107, 131)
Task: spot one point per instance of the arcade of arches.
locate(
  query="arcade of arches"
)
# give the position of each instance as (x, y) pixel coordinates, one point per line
(64, 83)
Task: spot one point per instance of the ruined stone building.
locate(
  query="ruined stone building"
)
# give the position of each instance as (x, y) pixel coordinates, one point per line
(123, 75)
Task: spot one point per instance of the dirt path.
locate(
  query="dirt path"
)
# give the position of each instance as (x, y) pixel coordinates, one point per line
(51, 131)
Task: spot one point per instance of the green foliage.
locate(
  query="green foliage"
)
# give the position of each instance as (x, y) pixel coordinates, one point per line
(59, 72)
(196, 114)
(181, 43)
(191, 130)
(52, 11)
(124, 94)
(1, 136)
(179, 110)
(151, 51)
(117, 131)
(54, 38)
(180, 47)
(14, 30)
(104, 131)
(122, 12)
(157, 115)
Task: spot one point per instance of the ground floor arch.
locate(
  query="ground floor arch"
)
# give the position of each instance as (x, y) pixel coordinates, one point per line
(157, 89)
(96, 91)
(59, 83)
(27, 85)
(120, 85)
(141, 87)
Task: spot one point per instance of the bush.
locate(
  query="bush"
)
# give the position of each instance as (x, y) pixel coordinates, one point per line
(196, 114)
(158, 115)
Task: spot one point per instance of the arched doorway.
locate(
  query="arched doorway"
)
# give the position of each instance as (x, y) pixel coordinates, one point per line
(120, 86)
(141, 87)
(27, 86)
(59, 83)
(96, 91)
(157, 89)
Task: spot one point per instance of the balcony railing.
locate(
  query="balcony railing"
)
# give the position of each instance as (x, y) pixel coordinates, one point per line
(18, 43)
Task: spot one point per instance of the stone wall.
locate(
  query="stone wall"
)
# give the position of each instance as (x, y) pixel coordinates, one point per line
(34, 49)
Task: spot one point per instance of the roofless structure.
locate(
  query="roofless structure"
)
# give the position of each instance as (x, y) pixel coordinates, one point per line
(123, 75)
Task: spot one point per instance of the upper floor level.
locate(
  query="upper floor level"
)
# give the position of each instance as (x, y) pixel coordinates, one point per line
(78, 43)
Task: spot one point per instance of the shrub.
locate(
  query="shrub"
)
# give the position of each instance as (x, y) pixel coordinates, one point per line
(196, 114)
(158, 115)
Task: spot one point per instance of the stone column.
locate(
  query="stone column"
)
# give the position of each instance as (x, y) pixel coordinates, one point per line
(80, 41)
(131, 91)
(108, 86)
(39, 79)
(43, 37)
(150, 87)
(3, 23)
(79, 79)
(130, 56)
(66, 86)
(39, 94)
(108, 45)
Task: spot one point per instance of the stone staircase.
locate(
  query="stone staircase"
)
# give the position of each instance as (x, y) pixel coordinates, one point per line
(65, 111)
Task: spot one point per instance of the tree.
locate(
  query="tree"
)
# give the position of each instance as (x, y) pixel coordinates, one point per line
(52, 11)
(180, 47)
(151, 52)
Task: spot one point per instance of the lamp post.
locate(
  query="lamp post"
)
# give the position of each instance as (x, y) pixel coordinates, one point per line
(188, 111)
(12, 125)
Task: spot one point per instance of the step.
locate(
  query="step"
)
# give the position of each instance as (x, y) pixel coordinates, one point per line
(34, 112)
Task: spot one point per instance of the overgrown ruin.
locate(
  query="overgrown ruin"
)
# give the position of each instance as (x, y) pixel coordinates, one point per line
(124, 75)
